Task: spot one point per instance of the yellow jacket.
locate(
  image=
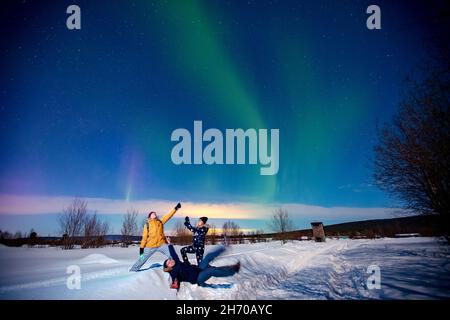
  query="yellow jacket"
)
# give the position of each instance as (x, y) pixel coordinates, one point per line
(153, 233)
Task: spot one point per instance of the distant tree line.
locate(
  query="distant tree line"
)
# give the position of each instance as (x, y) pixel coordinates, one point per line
(18, 239)
(232, 233)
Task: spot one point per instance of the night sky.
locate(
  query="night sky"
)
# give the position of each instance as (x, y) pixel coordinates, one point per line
(89, 112)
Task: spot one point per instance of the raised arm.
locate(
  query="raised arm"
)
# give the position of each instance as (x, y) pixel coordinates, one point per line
(188, 225)
(173, 254)
(170, 214)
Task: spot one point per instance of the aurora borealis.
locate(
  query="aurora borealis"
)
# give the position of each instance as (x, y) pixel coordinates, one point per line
(89, 112)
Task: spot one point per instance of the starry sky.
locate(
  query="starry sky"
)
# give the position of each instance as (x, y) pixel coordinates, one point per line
(89, 112)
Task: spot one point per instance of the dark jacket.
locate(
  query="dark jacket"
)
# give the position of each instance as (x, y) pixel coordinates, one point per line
(198, 241)
(183, 271)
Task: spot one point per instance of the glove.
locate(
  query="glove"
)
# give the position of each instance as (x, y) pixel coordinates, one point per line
(178, 206)
(141, 251)
(186, 219)
(174, 285)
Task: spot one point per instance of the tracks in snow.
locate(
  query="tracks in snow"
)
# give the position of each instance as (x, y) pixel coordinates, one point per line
(262, 273)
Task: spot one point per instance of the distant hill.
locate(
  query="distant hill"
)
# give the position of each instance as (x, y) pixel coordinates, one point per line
(425, 225)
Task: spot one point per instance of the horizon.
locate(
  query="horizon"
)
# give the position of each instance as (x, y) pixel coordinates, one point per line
(170, 230)
(248, 216)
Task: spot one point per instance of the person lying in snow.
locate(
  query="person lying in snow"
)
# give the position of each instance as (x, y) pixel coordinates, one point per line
(153, 238)
(184, 271)
(198, 241)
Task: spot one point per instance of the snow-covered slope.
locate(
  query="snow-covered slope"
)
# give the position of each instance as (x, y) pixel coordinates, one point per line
(410, 268)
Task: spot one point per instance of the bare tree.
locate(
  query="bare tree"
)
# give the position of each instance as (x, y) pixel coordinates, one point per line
(260, 235)
(231, 231)
(71, 222)
(235, 230)
(212, 233)
(103, 229)
(17, 235)
(281, 223)
(256, 236)
(252, 236)
(241, 237)
(225, 229)
(412, 157)
(33, 234)
(183, 235)
(95, 231)
(129, 226)
(32, 238)
(90, 226)
(5, 235)
(226, 233)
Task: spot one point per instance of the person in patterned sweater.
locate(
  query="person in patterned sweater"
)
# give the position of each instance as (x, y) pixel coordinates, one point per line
(198, 241)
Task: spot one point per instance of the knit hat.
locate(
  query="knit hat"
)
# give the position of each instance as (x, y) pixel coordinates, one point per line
(204, 219)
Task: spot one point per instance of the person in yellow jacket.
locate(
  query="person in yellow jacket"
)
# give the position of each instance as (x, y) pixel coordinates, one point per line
(153, 238)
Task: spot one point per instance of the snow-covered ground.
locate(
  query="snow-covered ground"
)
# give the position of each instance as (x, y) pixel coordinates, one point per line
(411, 268)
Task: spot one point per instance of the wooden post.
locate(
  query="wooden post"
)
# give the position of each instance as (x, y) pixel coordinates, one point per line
(318, 231)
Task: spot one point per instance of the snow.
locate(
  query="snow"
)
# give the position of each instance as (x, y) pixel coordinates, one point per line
(96, 258)
(411, 268)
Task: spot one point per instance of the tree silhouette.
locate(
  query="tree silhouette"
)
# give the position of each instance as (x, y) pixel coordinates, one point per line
(412, 156)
